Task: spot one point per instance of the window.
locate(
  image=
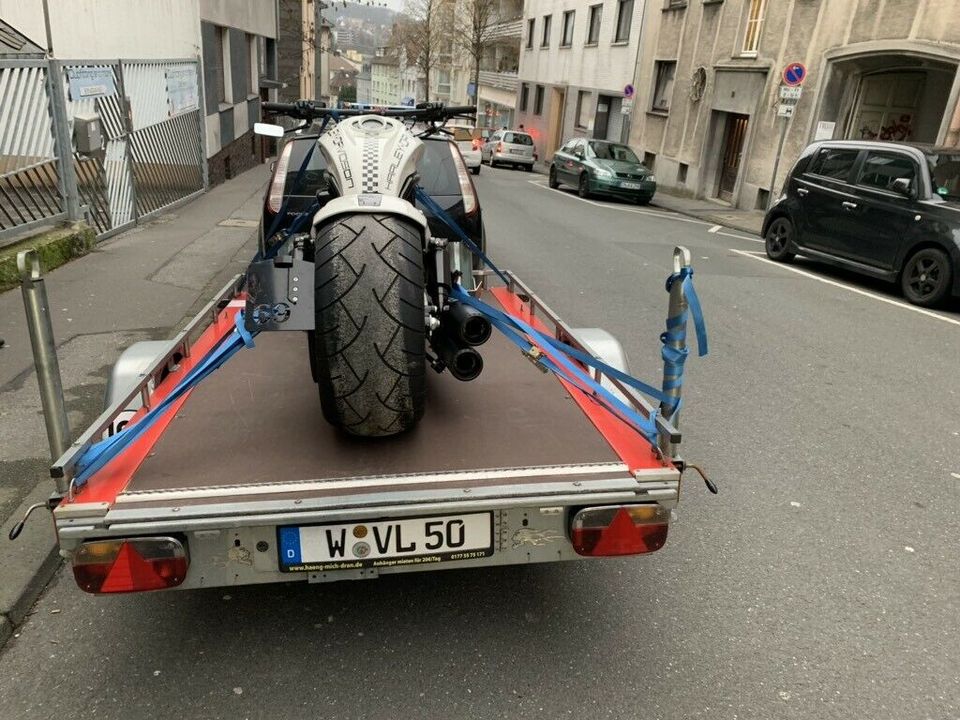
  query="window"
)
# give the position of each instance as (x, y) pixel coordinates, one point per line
(583, 98)
(624, 19)
(945, 172)
(649, 160)
(220, 86)
(751, 35)
(515, 138)
(663, 87)
(593, 31)
(611, 151)
(674, 4)
(225, 67)
(524, 96)
(567, 39)
(833, 163)
(545, 40)
(253, 47)
(569, 147)
(881, 169)
(530, 28)
(682, 173)
(538, 100)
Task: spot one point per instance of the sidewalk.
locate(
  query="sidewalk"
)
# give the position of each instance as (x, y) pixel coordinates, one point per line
(139, 285)
(716, 213)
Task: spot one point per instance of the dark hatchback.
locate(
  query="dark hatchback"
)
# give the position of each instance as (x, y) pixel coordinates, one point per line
(443, 175)
(887, 210)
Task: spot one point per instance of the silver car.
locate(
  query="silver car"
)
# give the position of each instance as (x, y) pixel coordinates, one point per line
(509, 147)
(469, 147)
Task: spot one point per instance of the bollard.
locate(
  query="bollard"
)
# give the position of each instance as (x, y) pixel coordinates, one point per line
(677, 307)
(44, 355)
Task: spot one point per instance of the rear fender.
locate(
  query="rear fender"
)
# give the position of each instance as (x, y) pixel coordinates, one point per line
(372, 203)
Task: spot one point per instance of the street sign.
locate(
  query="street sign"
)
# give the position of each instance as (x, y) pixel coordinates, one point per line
(628, 91)
(626, 106)
(786, 111)
(790, 93)
(794, 73)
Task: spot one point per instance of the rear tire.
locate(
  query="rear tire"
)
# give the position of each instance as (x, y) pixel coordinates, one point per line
(552, 178)
(583, 186)
(778, 240)
(476, 170)
(369, 344)
(926, 277)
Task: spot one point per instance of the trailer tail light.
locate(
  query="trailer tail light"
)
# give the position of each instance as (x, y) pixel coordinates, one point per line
(131, 565)
(470, 203)
(619, 530)
(275, 198)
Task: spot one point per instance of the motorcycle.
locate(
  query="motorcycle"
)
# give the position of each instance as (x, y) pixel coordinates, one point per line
(366, 279)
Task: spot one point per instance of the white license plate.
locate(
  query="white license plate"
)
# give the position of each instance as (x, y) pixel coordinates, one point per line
(519, 152)
(630, 185)
(385, 543)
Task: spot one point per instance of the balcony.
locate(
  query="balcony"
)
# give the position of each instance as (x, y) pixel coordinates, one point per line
(500, 80)
(507, 30)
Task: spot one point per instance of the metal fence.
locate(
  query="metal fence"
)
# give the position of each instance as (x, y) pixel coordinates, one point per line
(149, 155)
(31, 189)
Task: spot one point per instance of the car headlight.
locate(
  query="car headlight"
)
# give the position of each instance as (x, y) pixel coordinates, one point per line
(651, 178)
(603, 172)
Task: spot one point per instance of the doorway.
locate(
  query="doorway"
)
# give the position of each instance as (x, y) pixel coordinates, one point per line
(555, 126)
(734, 135)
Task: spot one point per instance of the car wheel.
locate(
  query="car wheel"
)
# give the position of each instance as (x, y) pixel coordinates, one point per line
(476, 170)
(777, 240)
(926, 277)
(552, 178)
(528, 168)
(583, 187)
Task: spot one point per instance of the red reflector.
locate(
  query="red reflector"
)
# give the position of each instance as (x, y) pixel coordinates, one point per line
(133, 565)
(619, 530)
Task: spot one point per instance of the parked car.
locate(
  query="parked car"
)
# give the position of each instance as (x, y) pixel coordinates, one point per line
(469, 147)
(443, 175)
(883, 209)
(510, 147)
(600, 167)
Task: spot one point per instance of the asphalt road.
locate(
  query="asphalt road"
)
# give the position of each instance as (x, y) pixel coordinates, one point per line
(823, 581)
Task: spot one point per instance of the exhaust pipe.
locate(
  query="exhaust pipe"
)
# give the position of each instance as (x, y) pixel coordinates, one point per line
(466, 325)
(463, 362)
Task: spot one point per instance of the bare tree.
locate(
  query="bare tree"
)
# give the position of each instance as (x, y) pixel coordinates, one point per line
(475, 29)
(424, 37)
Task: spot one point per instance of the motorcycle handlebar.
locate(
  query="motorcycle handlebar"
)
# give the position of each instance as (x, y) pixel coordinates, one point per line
(309, 110)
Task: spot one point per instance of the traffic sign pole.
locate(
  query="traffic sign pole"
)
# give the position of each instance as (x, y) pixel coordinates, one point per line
(789, 95)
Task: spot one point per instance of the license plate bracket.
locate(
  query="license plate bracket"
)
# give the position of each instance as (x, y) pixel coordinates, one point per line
(384, 543)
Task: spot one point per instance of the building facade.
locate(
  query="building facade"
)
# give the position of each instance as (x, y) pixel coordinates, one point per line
(497, 89)
(577, 58)
(708, 85)
(385, 78)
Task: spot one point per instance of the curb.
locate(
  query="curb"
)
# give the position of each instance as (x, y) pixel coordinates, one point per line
(56, 247)
(27, 564)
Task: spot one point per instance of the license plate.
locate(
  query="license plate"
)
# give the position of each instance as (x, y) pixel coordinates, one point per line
(630, 185)
(519, 152)
(385, 543)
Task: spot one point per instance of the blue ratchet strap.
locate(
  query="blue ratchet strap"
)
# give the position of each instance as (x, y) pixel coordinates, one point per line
(562, 366)
(431, 205)
(674, 358)
(99, 454)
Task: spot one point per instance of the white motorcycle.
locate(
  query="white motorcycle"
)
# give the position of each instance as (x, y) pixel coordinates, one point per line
(380, 281)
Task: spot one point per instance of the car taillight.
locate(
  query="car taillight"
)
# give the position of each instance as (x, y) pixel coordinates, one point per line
(275, 199)
(130, 565)
(466, 187)
(477, 143)
(499, 147)
(619, 530)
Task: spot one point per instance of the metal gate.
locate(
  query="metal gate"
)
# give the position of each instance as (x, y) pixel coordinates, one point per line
(31, 191)
(152, 155)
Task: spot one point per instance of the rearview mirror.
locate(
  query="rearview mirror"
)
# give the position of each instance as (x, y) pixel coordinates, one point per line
(902, 186)
(268, 130)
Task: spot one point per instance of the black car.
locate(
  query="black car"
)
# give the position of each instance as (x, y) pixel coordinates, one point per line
(888, 210)
(443, 175)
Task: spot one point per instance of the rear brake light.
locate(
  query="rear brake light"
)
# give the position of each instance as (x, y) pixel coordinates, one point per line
(466, 187)
(131, 565)
(477, 143)
(275, 199)
(619, 530)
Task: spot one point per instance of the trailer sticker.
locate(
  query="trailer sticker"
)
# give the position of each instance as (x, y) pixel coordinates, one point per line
(537, 538)
(385, 543)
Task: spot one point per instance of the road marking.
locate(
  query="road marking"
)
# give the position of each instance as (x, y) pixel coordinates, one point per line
(665, 215)
(740, 237)
(754, 255)
(715, 228)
